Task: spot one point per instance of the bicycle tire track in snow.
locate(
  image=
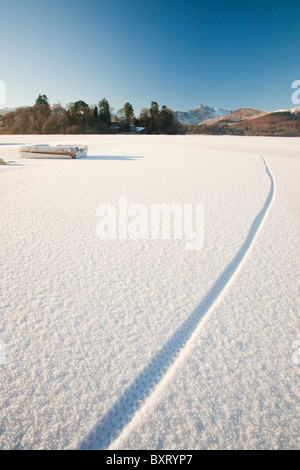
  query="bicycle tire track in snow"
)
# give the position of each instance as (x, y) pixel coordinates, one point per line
(123, 410)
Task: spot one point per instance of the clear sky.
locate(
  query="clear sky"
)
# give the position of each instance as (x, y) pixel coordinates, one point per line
(180, 53)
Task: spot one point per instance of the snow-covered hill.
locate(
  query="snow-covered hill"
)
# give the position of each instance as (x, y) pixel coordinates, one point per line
(292, 110)
(6, 110)
(200, 113)
(242, 114)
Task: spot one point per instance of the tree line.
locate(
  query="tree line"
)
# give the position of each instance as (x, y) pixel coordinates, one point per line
(81, 118)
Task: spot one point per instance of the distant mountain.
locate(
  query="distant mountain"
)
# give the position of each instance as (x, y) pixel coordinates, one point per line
(199, 114)
(285, 123)
(6, 110)
(240, 115)
(292, 110)
(248, 121)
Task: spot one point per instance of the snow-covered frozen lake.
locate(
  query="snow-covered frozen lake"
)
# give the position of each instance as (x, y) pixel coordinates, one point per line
(141, 343)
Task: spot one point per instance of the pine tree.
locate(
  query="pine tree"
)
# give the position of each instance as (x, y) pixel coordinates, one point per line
(95, 114)
(104, 111)
(42, 100)
(128, 111)
(154, 117)
(79, 115)
(167, 121)
(40, 112)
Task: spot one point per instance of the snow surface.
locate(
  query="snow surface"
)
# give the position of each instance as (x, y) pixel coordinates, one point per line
(136, 344)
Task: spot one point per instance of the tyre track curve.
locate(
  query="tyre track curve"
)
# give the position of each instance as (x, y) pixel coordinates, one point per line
(122, 412)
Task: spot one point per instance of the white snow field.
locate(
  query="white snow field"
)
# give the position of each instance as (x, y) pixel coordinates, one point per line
(143, 344)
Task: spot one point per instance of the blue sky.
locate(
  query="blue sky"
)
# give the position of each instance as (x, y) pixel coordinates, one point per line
(228, 54)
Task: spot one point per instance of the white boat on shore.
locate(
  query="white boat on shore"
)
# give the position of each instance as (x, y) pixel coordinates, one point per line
(58, 151)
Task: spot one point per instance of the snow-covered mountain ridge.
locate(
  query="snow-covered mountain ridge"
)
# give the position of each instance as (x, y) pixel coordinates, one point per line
(200, 113)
